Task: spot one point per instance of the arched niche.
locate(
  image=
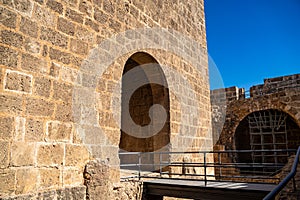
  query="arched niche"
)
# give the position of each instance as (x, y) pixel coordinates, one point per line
(144, 85)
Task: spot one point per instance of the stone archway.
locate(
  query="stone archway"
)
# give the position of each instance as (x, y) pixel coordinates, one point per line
(269, 129)
(140, 136)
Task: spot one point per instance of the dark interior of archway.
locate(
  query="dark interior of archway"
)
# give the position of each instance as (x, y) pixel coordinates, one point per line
(242, 140)
(139, 104)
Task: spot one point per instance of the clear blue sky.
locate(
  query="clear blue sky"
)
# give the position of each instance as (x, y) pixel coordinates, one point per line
(250, 40)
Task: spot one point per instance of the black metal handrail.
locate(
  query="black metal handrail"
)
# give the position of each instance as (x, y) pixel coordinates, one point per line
(218, 166)
(287, 179)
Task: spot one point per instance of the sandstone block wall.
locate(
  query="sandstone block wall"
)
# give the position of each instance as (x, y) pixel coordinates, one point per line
(58, 75)
(230, 107)
(277, 84)
(230, 111)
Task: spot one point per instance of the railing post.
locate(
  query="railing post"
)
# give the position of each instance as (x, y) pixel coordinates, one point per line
(140, 163)
(219, 162)
(160, 164)
(205, 178)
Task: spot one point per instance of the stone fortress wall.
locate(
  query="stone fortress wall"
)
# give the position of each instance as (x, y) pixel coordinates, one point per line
(59, 131)
(231, 105)
(231, 108)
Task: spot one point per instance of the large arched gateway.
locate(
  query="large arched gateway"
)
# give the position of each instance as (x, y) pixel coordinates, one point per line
(266, 130)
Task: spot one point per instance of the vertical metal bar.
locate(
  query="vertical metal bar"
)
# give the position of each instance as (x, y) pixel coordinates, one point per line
(140, 163)
(160, 164)
(205, 178)
(219, 160)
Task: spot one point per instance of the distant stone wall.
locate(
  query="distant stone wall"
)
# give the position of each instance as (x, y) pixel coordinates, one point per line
(57, 84)
(220, 99)
(230, 107)
(274, 85)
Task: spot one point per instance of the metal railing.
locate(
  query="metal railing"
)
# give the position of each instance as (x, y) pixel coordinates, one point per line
(224, 165)
(286, 180)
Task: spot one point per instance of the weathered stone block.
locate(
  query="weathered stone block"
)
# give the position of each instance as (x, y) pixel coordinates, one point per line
(11, 104)
(47, 194)
(32, 46)
(55, 6)
(26, 181)
(60, 56)
(6, 128)
(39, 1)
(74, 15)
(7, 3)
(72, 152)
(54, 37)
(44, 16)
(22, 154)
(97, 177)
(7, 18)
(11, 38)
(76, 193)
(79, 192)
(86, 7)
(89, 80)
(34, 130)
(109, 153)
(34, 64)
(64, 112)
(49, 177)
(29, 27)
(66, 26)
(72, 177)
(78, 47)
(89, 115)
(84, 34)
(50, 155)
(17, 81)
(92, 24)
(62, 91)
(100, 16)
(7, 182)
(115, 25)
(68, 74)
(70, 3)
(42, 86)
(76, 61)
(8, 57)
(20, 123)
(57, 131)
(4, 154)
(39, 107)
(54, 70)
(24, 6)
(109, 7)
(94, 135)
